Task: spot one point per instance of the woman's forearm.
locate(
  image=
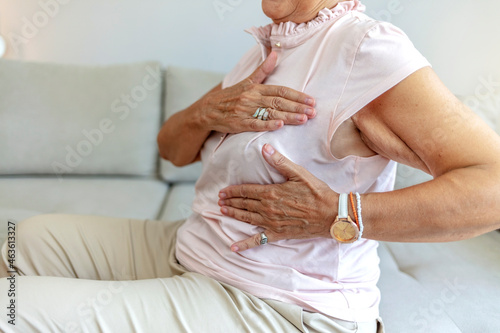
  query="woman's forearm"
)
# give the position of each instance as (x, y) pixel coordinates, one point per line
(459, 204)
(182, 136)
(184, 133)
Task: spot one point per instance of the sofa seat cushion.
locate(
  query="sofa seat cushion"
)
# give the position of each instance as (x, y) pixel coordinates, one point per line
(140, 198)
(441, 287)
(178, 203)
(402, 298)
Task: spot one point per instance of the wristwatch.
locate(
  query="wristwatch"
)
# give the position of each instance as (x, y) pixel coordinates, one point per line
(343, 229)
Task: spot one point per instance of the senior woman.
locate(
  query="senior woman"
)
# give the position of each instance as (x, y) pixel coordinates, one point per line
(299, 145)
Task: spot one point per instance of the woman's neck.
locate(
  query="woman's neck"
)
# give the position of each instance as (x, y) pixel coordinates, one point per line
(304, 11)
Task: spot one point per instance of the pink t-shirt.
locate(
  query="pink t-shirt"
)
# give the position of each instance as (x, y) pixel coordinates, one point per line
(345, 60)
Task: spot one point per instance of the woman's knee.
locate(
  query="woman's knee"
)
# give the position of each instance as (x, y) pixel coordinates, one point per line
(36, 228)
(34, 234)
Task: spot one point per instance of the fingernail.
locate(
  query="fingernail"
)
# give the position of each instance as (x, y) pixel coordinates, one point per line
(222, 195)
(235, 248)
(223, 210)
(300, 117)
(278, 123)
(310, 101)
(310, 111)
(268, 149)
(221, 203)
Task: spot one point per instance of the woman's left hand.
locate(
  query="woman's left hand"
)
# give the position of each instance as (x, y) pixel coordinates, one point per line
(302, 207)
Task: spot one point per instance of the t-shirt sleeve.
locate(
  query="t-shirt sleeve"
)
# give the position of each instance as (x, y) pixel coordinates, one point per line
(385, 57)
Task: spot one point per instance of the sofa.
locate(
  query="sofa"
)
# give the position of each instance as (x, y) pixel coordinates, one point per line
(82, 140)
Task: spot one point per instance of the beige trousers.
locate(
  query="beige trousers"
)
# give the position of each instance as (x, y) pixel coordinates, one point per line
(80, 273)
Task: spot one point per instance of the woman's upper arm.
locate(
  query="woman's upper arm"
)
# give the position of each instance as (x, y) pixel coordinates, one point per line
(419, 122)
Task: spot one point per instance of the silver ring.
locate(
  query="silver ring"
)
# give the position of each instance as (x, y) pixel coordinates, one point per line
(266, 114)
(256, 114)
(261, 114)
(263, 238)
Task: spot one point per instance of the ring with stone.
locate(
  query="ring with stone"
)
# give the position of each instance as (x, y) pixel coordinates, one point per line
(263, 238)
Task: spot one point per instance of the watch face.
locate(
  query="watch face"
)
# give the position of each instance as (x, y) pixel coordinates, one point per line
(345, 231)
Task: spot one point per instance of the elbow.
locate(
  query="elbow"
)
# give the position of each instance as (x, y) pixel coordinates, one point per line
(179, 162)
(162, 151)
(160, 146)
(175, 159)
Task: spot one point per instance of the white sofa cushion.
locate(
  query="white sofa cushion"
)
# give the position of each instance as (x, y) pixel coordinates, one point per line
(453, 284)
(108, 196)
(183, 87)
(178, 203)
(407, 176)
(402, 298)
(72, 119)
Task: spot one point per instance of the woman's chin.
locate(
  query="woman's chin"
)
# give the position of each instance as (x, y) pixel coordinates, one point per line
(276, 13)
(278, 18)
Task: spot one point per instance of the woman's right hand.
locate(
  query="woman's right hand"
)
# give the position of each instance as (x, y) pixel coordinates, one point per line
(231, 110)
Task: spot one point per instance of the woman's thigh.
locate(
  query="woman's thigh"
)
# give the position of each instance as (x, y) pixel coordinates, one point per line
(95, 247)
(185, 303)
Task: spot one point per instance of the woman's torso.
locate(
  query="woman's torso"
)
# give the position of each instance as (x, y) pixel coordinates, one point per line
(321, 275)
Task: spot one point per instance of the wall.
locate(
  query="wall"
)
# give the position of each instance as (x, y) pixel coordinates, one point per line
(460, 38)
(187, 33)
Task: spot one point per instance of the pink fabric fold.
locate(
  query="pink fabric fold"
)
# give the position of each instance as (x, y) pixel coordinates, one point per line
(299, 32)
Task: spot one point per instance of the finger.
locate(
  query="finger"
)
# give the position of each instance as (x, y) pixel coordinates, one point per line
(242, 215)
(275, 120)
(254, 241)
(288, 94)
(257, 125)
(240, 203)
(266, 68)
(248, 243)
(250, 191)
(288, 118)
(286, 167)
(284, 105)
